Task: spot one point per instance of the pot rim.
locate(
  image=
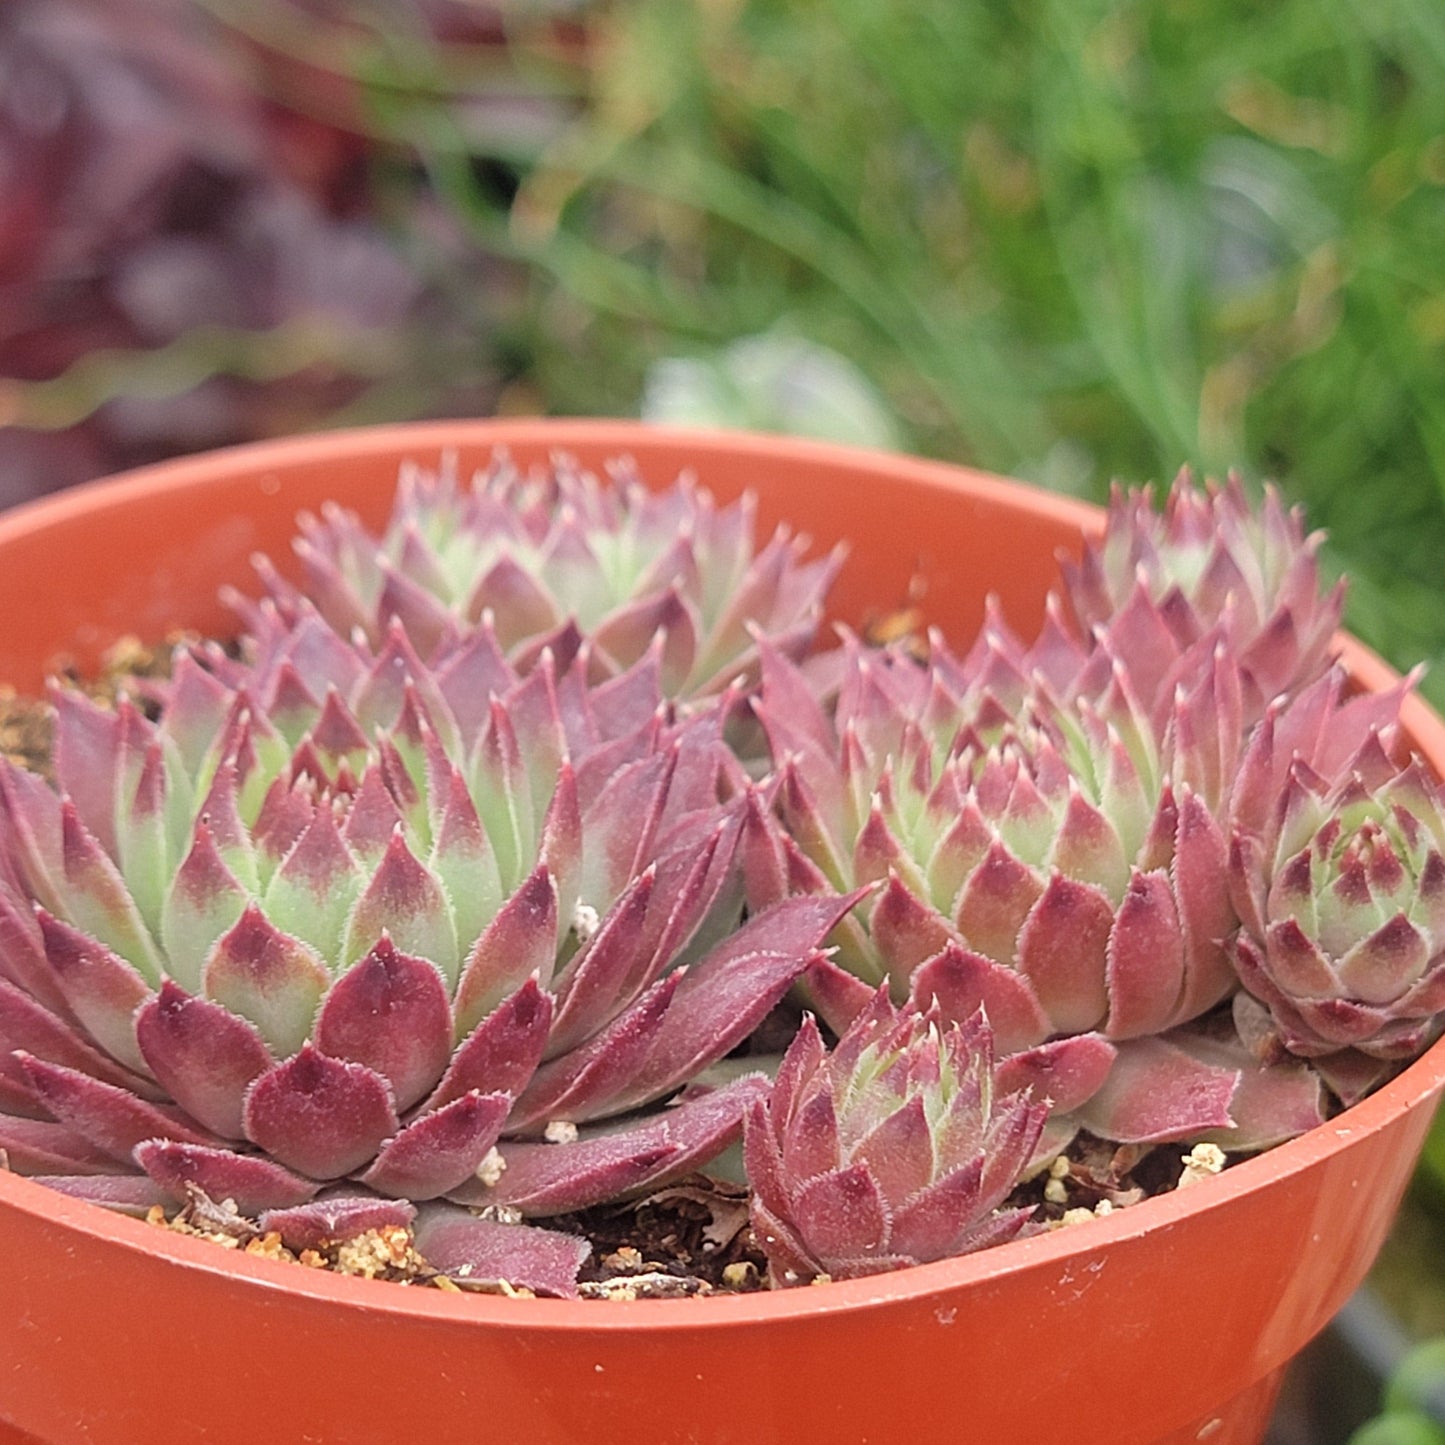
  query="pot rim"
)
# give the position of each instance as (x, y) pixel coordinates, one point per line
(1408, 1090)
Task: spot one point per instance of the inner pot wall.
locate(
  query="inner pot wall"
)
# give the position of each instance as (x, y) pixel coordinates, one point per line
(1163, 1323)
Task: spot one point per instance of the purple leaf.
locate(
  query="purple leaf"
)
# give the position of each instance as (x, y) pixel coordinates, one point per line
(520, 942)
(87, 755)
(960, 982)
(1157, 1092)
(252, 1183)
(899, 1152)
(1064, 1072)
(26, 1026)
(334, 1219)
(585, 1082)
(1062, 950)
(842, 1215)
(481, 1252)
(502, 1053)
(932, 1224)
(37, 1146)
(618, 955)
(204, 1055)
(439, 1151)
(102, 991)
(719, 1002)
(1146, 959)
(125, 1193)
(112, 1119)
(542, 1179)
(390, 1011)
(318, 1115)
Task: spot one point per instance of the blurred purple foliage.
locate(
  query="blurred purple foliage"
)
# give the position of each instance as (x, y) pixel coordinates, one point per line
(185, 263)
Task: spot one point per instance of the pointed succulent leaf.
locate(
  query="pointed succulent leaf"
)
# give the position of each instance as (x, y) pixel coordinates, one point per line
(27, 1026)
(204, 1056)
(333, 1219)
(545, 1179)
(254, 1183)
(389, 1011)
(1158, 1091)
(439, 1151)
(405, 901)
(267, 977)
(319, 1116)
(40, 1146)
(502, 1052)
(112, 1119)
(205, 900)
(314, 890)
(481, 1253)
(101, 990)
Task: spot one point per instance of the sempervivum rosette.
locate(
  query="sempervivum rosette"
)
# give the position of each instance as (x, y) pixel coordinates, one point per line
(1209, 564)
(896, 1148)
(1056, 864)
(1342, 947)
(549, 551)
(339, 923)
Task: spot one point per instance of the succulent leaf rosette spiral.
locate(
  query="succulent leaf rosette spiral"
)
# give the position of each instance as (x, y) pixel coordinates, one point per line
(556, 551)
(1209, 564)
(897, 1147)
(1055, 863)
(1342, 945)
(339, 923)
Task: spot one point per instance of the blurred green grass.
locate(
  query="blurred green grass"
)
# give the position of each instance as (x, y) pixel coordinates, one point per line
(1067, 239)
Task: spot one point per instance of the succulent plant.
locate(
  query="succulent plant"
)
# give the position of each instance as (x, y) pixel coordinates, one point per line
(1343, 909)
(1073, 866)
(304, 943)
(549, 553)
(896, 1148)
(452, 888)
(1210, 567)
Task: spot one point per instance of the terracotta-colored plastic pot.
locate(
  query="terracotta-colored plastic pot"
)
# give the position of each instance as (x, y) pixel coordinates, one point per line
(1169, 1322)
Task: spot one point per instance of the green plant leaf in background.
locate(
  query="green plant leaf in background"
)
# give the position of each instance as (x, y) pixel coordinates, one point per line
(1398, 1430)
(775, 382)
(1413, 1410)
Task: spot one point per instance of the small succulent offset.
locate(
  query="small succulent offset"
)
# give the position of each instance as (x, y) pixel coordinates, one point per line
(1342, 900)
(1210, 566)
(450, 889)
(896, 1148)
(546, 555)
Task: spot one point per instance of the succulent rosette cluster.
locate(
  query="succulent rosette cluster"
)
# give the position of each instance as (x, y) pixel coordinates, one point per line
(896, 1147)
(446, 896)
(339, 923)
(549, 553)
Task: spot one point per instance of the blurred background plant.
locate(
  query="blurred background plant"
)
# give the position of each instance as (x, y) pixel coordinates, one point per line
(204, 239)
(1066, 239)
(1412, 1410)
